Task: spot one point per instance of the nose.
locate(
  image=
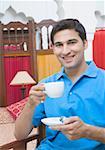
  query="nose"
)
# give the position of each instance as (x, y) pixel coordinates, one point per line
(66, 49)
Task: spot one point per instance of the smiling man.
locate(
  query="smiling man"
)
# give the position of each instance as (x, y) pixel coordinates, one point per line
(82, 103)
(69, 49)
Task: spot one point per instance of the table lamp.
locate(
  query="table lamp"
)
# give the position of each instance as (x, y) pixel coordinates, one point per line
(22, 78)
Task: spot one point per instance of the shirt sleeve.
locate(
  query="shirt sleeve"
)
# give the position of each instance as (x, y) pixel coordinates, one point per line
(39, 113)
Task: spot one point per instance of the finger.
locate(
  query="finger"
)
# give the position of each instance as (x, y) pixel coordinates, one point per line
(71, 126)
(37, 96)
(37, 100)
(43, 98)
(72, 137)
(36, 93)
(65, 127)
(38, 87)
(56, 127)
(70, 132)
(71, 119)
(33, 100)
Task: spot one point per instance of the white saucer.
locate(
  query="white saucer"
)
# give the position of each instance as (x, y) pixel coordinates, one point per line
(52, 121)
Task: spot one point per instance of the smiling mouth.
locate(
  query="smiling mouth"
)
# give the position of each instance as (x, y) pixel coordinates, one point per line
(68, 59)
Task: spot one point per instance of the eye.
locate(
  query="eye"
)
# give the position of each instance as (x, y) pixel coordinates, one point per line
(71, 42)
(58, 45)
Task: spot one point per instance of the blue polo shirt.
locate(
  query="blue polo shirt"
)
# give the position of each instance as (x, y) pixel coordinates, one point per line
(84, 98)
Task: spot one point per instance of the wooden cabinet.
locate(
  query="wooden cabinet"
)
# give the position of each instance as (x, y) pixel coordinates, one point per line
(16, 53)
(24, 47)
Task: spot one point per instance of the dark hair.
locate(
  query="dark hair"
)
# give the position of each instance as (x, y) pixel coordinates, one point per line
(69, 24)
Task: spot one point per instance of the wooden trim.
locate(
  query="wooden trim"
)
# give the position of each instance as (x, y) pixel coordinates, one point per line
(16, 54)
(2, 84)
(15, 25)
(32, 46)
(44, 52)
(2, 75)
(19, 145)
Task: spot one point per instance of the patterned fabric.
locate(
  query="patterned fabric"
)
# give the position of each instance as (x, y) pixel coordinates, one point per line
(16, 108)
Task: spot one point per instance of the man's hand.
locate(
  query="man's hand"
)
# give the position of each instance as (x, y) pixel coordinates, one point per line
(73, 127)
(36, 94)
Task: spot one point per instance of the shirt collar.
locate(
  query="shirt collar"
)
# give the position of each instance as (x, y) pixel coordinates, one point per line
(90, 72)
(60, 73)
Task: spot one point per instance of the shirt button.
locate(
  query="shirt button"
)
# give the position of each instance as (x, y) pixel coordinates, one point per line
(70, 93)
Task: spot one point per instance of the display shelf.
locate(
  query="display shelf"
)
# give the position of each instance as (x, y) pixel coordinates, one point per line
(32, 40)
(16, 40)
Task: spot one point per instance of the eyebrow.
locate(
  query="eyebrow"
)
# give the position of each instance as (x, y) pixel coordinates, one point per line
(70, 40)
(57, 43)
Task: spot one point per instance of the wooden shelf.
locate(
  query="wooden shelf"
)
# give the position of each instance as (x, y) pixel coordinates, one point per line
(16, 36)
(16, 53)
(12, 38)
(44, 52)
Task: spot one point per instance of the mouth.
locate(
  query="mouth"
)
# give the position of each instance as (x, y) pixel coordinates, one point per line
(68, 58)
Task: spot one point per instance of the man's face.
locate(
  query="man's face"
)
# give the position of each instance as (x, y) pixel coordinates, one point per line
(69, 48)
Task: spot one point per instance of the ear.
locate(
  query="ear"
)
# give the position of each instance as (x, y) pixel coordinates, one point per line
(51, 45)
(85, 44)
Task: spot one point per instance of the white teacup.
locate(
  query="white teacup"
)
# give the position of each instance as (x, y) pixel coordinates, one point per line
(54, 89)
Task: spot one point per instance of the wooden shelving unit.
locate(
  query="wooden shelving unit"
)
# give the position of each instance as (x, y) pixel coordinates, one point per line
(19, 40)
(16, 40)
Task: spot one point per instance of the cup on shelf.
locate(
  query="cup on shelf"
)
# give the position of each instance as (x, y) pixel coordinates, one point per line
(18, 47)
(25, 46)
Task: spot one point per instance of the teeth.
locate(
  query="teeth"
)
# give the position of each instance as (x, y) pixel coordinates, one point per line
(66, 58)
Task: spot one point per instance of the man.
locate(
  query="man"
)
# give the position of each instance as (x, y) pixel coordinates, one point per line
(82, 103)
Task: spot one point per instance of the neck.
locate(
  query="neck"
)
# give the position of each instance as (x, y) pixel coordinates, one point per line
(74, 73)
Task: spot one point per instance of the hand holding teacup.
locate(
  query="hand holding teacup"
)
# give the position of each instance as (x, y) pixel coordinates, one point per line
(36, 94)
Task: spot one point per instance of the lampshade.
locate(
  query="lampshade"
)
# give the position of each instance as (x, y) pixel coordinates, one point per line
(22, 78)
